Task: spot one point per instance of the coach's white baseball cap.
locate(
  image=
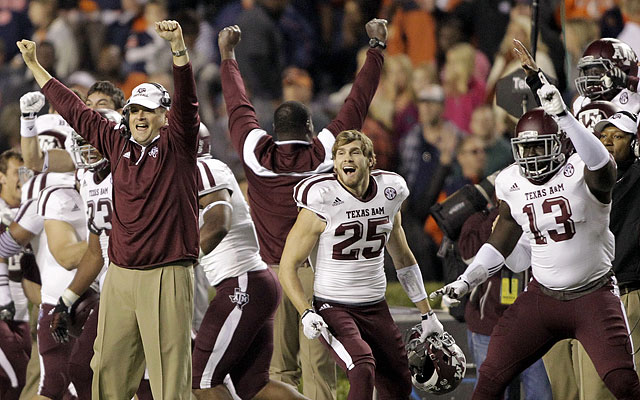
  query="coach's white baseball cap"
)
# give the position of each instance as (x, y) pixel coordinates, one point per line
(623, 120)
(149, 95)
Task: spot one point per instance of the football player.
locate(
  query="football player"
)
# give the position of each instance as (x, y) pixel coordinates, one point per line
(349, 217)
(15, 337)
(236, 334)
(608, 70)
(560, 199)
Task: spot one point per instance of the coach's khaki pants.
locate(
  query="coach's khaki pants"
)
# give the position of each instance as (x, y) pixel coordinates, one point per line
(590, 385)
(145, 316)
(292, 351)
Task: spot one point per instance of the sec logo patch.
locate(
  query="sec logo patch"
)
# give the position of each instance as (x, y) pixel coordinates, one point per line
(569, 170)
(390, 193)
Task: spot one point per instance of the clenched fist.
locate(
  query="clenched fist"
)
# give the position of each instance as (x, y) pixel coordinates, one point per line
(28, 50)
(169, 30)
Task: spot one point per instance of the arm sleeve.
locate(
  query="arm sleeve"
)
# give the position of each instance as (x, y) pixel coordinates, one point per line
(590, 149)
(354, 110)
(487, 262)
(97, 130)
(184, 120)
(242, 116)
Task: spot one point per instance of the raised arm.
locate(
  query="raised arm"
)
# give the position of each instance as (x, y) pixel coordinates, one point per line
(600, 168)
(242, 116)
(183, 117)
(355, 108)
(88, 123)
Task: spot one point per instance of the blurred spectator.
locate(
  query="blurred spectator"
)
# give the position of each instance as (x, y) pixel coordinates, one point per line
(50, 26)
(297, 85)
(631, 32)
(413, 30)
(579, 33)
(109, 64)
(342, 37)
(611, 23)
(10, 127)
(426, 154)
(14, 26)
(471, 163)
(260, 53)
(485, 21)
(274, 35)
(405, 111)
(122, 21)
(463, 91)
(80, 81)
(497, 147)
(146, 51)
(587, 9)
(450, 32)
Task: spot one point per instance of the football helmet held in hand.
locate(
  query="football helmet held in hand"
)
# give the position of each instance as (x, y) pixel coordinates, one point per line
(437, 365)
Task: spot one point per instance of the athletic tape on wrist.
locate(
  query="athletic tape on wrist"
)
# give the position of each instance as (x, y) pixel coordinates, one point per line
(69, 297)
(411, 280)
(28, 127)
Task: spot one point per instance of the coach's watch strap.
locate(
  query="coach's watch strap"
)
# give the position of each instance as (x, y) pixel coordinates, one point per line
(375, 42)
(179, 53)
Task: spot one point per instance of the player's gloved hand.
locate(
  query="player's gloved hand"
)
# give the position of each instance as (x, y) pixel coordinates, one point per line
(449, 302)
(454, 290)
(31, 103)
(312, 324)
(430, 325)
(616, 78)
(550, 98)
(60, 322)
(7, 311)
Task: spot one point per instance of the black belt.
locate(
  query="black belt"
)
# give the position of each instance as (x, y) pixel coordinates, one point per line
(628, 287)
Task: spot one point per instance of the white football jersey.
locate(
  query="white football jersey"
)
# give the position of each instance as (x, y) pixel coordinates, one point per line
(567, 227)
(7, 215)
(62, 203)
(99, 207)
(349, 258)
(239, 251)
(628, 100)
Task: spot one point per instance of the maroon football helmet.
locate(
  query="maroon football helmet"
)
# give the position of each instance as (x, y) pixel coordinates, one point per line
(204, 141)
(437, 365)
(599, 57)
(552, 146)
(596, 111)
(81, 310)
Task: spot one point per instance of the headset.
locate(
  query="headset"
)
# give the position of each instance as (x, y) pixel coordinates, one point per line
(165, 101)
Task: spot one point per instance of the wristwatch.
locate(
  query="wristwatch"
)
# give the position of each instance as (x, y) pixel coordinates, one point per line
(375, 42)
(179, 53)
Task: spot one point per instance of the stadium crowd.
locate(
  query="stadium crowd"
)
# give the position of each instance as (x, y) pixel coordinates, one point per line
(118, 116)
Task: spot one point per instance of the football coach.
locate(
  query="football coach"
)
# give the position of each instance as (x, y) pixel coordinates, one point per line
(146, 303)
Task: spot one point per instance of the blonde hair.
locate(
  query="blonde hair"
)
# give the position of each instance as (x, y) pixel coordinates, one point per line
(352, 135)
(462, 57)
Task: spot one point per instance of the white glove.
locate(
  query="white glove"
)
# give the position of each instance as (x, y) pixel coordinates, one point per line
(31, 103)
(449, 302)
(312, 324)
(550, 98)
(454, 290)
(430, 325)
